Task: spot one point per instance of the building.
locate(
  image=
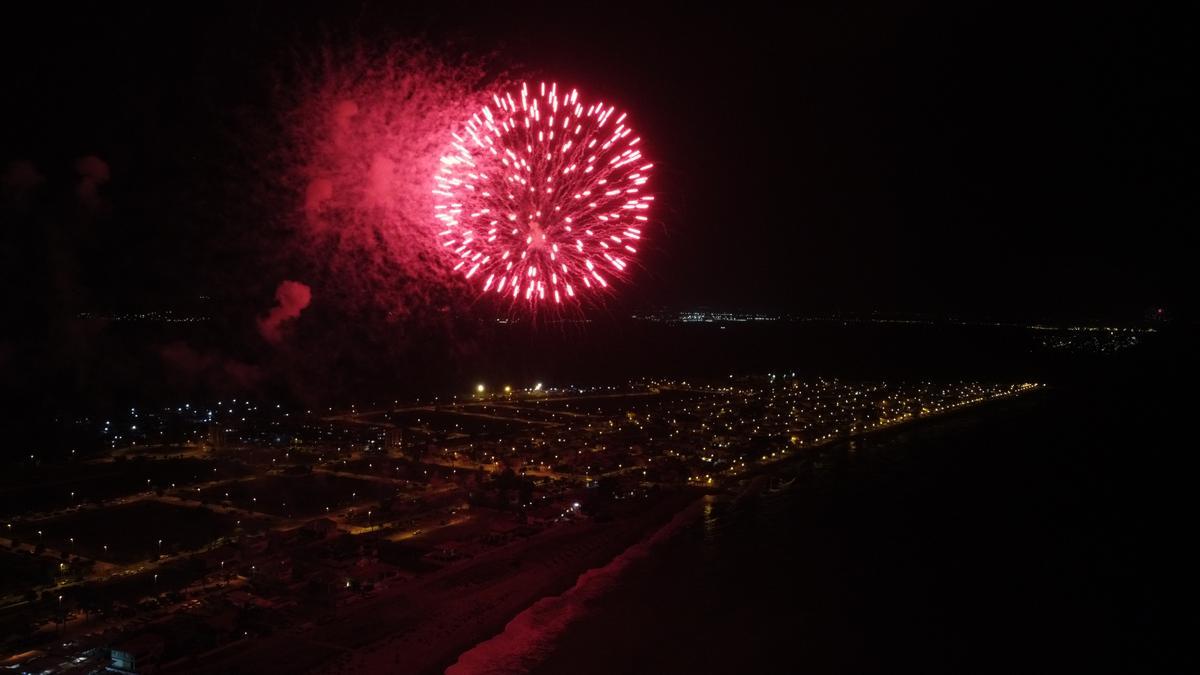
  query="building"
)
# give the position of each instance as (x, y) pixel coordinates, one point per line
(137, 655)
(216, 437)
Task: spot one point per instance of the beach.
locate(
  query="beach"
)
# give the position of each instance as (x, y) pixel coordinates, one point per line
(422, 626)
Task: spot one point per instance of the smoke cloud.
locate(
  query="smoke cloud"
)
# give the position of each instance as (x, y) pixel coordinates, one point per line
(291, 298)
(20, 177)
(361, 144)
(93, 172)
(189, 367)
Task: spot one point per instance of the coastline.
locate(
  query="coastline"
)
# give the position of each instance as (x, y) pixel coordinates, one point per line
(431, 623)
(536, 627)
(425, 625)
(475, 615)
(524, 635)
(982, 411)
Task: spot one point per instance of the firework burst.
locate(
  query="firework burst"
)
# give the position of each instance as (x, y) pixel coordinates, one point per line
(362, 130)
(541, 197)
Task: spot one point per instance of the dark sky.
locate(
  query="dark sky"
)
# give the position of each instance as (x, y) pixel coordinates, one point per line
(984, 159)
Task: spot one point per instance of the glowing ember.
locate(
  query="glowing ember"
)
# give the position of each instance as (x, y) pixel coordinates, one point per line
(541, 196)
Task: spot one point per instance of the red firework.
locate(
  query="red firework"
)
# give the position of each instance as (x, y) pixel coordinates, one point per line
(542, 198)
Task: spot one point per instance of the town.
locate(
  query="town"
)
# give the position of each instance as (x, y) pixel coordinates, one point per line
(170, 537)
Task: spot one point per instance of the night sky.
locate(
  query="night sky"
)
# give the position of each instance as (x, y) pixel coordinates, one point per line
(983, 161)
(926, 159)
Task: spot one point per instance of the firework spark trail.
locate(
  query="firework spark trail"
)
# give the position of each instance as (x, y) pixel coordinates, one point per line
(541, 196)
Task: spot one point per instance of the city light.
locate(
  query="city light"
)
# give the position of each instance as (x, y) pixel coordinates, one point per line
(561, 446)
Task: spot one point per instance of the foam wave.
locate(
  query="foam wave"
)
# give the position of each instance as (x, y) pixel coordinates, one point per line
(531, 633)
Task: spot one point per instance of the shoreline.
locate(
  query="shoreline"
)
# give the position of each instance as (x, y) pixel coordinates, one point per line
(427, 625)
(477, 615)
(465, 664)
(424, 626)
(890, 431)
(520, 634)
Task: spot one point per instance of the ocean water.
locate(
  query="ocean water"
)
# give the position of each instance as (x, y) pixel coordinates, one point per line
(1048, 534)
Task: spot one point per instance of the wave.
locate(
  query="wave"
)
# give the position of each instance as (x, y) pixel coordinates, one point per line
(531, 634)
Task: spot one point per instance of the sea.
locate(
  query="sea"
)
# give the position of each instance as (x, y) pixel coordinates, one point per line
(1050, 533)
